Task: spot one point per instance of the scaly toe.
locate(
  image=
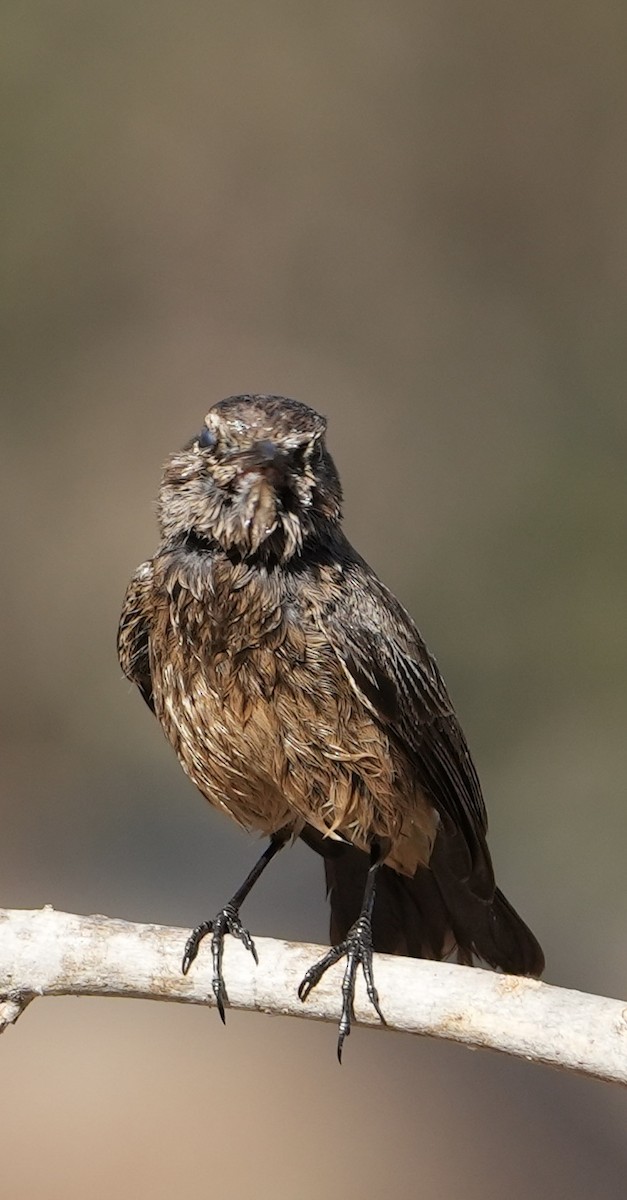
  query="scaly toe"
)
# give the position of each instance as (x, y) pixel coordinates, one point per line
(226, 921)
(357, 950)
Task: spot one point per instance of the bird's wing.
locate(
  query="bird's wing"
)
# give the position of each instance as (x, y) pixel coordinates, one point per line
(133, 648)
(392, 671)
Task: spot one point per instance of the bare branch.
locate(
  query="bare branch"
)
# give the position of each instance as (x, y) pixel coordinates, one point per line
(48, 953)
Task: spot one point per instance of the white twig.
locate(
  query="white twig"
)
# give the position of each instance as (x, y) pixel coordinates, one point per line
(48, 953)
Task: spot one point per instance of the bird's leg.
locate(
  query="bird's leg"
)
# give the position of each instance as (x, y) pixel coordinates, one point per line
(227, 920)
(356, 949)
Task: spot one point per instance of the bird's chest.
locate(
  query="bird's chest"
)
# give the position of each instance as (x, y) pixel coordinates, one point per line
(251, 693)
(231, 647)
(235, 672)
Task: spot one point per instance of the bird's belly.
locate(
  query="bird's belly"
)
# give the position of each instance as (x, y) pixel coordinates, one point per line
(275, 754)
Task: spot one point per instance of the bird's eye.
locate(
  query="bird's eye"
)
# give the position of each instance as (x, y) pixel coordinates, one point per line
(207, 438)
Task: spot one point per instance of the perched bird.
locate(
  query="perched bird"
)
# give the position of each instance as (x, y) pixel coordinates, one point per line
(301, 700)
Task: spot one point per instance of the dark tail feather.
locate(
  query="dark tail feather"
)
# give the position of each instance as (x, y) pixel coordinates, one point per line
(432, 914)
(484, 923)
(516, 950)
(409, 915)
(491, 931)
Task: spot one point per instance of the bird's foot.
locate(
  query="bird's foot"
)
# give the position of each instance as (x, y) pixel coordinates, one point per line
(226, 921)
(357, 950)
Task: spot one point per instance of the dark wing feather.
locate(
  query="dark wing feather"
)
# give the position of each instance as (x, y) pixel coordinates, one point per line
(133, 648)
(456, 900)
(393, 672)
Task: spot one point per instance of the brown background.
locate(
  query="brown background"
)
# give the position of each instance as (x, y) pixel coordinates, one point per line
(411, 216)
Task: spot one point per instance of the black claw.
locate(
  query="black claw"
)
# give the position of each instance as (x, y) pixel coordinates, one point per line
(193, 943)
(226, 921)
(357, 949)
(220, 996)
(315, 973)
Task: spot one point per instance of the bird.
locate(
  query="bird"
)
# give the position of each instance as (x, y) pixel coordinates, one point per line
(302, 701)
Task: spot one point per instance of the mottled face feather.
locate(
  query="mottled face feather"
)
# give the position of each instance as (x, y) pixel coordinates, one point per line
(256, 479)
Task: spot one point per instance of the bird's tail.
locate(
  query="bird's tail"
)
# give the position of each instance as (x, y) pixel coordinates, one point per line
(434, 914)
(494, 933)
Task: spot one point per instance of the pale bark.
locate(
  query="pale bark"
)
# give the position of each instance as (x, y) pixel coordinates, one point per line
(48, 953)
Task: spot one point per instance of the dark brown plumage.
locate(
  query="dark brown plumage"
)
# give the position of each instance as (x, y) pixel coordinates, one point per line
(301, 699)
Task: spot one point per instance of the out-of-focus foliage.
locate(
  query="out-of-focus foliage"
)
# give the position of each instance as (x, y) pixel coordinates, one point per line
(411, 216)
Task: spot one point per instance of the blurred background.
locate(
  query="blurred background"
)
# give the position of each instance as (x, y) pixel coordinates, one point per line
(412, 217)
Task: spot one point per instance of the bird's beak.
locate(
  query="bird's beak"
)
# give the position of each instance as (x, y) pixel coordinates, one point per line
(267, 458)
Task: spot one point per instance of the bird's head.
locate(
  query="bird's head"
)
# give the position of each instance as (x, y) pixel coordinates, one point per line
(257, 478)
